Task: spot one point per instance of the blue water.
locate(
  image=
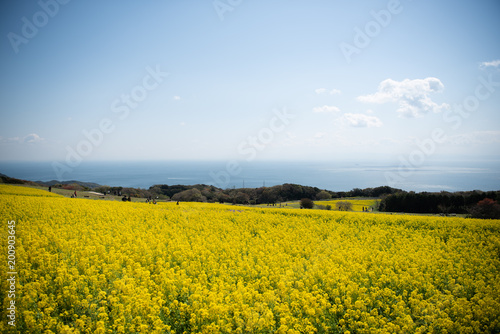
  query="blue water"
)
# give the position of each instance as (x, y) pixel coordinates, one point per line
(336, 176)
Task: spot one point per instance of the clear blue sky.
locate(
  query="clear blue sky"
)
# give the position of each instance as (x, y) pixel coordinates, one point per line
(361, 78)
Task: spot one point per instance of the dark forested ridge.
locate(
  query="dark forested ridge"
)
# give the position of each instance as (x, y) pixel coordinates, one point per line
(442, 202)
(263, 195)
(392, 200)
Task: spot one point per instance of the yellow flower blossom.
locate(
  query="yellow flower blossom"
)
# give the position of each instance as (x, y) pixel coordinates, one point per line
(89, 266)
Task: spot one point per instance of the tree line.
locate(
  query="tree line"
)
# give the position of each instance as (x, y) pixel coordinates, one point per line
(476, 203)
(464, 202)
(263, 195)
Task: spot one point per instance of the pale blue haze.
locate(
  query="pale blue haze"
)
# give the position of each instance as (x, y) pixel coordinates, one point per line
(226, 79)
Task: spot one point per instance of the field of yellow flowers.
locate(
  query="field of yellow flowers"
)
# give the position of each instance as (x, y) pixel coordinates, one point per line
(86, 266)
(357, 204)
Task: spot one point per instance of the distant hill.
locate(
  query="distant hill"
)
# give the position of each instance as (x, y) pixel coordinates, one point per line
(52, 183)
(10, 180)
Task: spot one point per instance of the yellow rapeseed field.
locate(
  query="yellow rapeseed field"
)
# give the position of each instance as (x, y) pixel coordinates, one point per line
(88, 266)
(357, 204)
(6, 189)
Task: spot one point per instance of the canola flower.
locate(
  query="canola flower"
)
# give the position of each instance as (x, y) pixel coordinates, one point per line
(111, 267)
(6, 189)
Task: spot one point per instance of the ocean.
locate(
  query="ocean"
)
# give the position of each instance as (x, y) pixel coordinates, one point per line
(336, 176)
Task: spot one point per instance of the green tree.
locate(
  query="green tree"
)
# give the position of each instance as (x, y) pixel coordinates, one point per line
(306, 203)
(486, 209)
(190, 195)
(323, 194)
(242, 198)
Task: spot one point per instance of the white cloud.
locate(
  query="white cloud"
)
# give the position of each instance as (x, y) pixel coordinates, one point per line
(411, 95)
(32, 138)
(9, 140)
(319, 135)
(325, 108)
(177, 98)
(493, 63)
(362, 121)
(29, 139)
(320, 91)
